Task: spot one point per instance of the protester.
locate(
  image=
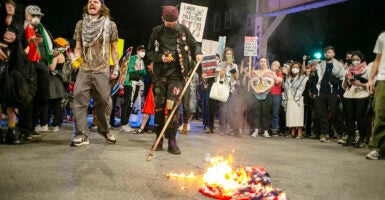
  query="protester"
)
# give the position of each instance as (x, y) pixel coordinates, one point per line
(96, 37)
(136, 71)
(262, 80)
(168, 48)
(227, 73)
(276, 96)
(294, 86)
(377, 142)
(330, 73)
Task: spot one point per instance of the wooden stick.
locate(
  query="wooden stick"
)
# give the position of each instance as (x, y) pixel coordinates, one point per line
(151, 154)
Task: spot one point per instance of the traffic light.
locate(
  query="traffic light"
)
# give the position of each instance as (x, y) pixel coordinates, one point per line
(317, 55)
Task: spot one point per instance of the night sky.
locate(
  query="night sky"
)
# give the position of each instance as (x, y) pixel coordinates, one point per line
(353, 25)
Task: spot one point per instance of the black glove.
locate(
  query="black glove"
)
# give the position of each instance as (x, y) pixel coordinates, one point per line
(135, 77)
(233, 71)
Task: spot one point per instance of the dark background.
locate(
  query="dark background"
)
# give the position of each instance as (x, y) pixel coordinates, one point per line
(352, 25)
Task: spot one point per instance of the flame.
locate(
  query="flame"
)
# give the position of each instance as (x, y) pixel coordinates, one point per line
(182, 175)
(222, 175)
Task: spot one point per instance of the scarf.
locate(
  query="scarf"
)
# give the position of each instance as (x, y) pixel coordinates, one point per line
(356, 70)
(47, 39)
(92, 30)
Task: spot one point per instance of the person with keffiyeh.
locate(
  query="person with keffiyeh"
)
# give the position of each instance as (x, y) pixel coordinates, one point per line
(356, 99)
(96, 37)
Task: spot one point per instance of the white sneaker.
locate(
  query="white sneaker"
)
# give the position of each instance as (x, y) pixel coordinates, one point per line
(54, 129)
(373, 155)
(266, 134)
(180, 128)
(255, 133)
(39, 128)
(188, 127)
(126, 128)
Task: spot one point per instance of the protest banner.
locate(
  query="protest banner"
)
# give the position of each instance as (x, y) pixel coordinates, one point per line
(194, 18)
(209, 63)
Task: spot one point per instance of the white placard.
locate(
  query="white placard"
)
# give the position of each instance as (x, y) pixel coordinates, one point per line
(251, 46)
(194, 18)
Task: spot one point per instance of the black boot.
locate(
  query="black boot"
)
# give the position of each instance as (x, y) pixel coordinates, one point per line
(173, 147)
(13, 136)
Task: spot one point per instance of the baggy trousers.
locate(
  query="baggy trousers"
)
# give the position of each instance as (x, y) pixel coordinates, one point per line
(378, 134)
(99, 84)
(166, 92)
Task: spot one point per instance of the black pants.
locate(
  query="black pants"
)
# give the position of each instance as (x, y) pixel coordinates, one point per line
(263, 110)
(324, 104)
(40, 102)
(129, 101)
(54, 105)
(114, 99)
(166, 92)
(356, 111)
(186, 105)
(210, 106)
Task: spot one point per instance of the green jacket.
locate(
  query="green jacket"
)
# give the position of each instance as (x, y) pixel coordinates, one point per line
(131, 70)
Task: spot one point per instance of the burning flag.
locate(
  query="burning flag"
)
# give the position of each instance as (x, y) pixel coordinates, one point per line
(222, 181)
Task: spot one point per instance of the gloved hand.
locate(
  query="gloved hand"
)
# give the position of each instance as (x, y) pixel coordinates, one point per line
(233, 71)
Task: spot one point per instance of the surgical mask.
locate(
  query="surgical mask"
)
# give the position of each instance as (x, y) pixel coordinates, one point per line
(295, 70)
(35, 21)
(356, 63)
(229, 59)
(142, 54)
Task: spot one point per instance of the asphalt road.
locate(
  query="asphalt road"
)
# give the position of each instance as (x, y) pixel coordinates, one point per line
(303, 169)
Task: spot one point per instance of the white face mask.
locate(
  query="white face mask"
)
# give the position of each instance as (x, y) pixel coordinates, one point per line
(295, 70)
(142, 54)
(356, 63)
(35, 21)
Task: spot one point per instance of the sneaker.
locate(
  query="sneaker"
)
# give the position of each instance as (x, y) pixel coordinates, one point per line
(54, 129)
(173, 147)
(79, 140)
(139, 131)
(255, 133)
(373, 155)
(93, 128)
(266, 134)
(39, 128)
(126, 128)
(110, 138)
(341, 141)
(180, 127)
(324, 139)
(188, 127)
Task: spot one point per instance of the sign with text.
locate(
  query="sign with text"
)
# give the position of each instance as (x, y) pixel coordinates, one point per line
(194, 18)
(209, 63)
(251, 46)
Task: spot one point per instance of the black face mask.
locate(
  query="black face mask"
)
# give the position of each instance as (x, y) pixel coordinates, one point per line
(349, 61)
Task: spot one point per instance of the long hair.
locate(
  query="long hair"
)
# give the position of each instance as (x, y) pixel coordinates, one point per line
(104, 11)
(301, 69)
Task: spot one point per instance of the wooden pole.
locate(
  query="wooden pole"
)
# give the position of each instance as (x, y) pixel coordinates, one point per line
(151, 154)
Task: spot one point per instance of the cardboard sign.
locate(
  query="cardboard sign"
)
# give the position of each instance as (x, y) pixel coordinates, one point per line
(194, 18)
(251, 46)
(209, 63)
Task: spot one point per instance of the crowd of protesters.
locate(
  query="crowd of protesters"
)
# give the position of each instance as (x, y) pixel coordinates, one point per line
(318, 99)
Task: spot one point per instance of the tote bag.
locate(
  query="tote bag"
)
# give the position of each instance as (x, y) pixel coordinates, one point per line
(220, 91)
